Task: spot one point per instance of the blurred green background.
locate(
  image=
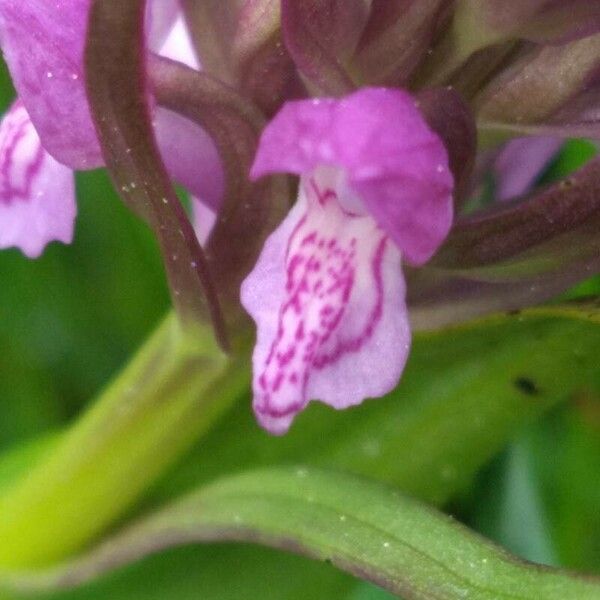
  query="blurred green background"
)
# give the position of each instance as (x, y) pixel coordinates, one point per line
(70, 320)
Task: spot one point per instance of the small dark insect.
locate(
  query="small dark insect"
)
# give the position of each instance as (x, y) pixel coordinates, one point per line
(527, 386)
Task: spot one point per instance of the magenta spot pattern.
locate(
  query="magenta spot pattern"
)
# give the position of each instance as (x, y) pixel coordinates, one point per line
(21, 158)
(37, 193)
(321, 271)
(328, 294)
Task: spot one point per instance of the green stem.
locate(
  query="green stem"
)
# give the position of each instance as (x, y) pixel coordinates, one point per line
(171, 392)
(361, 527)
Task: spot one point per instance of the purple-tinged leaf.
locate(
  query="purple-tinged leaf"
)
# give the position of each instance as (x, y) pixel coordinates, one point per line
(266, 72)
(268, 75)
(397, 38)
(257, 21)
(510, 230)
(383, 14)
(249, 211)
(116, 84)
(551, 90)
(239, 42)
(559, 21)
(451, 118)
(321, 36)
(212, 27)
(472, 75)
(438, 298)
(228, 33)
(486, 22)
(514, 255)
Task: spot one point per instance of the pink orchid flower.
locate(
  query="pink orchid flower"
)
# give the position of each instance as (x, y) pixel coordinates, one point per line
(327, 293)
(48, 132)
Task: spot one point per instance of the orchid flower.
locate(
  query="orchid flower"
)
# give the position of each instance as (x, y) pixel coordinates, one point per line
(37, 193)
(327, 293)
(380, 171)
(48, 131)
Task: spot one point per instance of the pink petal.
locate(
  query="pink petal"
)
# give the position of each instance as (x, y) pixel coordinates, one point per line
(327, 295)
(392, 159)
(521, 162)
(189, 153)
(43, 45)
(177, 44)
(203, 220)
(161, 16)
(190, 156)
(37, 193)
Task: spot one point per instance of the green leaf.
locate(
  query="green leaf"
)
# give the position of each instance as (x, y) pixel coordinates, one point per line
(466, 391)
(190, 573)
(361, 527)
(20, 459)
(572, 156)
(216, 572)
(511, 509)
(367, 591)
(464, 394)
(62, 338)
(170, 393)
(566, 449)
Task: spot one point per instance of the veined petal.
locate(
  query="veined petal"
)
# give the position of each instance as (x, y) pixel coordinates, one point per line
(392, 159)
(37, 193)
(328, 298)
